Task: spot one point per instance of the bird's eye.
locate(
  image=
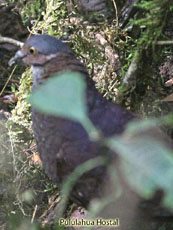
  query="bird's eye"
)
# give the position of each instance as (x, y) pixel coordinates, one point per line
(32, 50)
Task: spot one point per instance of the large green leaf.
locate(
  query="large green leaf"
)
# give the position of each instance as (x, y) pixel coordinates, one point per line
(64, 95)
(146, 163)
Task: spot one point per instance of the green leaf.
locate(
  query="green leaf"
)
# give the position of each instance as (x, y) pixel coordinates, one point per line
(146, 163)
(64, 95)
(135, 127)
(75, 175)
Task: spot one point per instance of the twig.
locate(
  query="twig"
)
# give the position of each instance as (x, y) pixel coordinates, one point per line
(8, 80)
(162, 43)
(33, 215)
(11, 41)
(110, 89)
(116, 12)
(13, 154)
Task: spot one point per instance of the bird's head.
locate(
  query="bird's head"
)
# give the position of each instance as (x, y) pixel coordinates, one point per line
(39, 49)
(48, 56)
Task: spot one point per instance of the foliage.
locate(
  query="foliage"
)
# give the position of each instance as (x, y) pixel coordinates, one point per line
(154, 21)
(30, 10)
(150, 23)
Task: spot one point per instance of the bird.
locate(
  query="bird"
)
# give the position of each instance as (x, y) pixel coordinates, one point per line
(64, 144)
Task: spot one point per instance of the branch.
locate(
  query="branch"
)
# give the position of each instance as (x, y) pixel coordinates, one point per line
(129, 81)
(11, 41)
(128, 11)
(130, 76)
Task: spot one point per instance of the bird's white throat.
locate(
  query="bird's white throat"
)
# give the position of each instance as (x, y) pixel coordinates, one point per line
(37, 72)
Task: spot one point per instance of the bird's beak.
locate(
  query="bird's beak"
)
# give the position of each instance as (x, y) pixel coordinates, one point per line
(18, 56)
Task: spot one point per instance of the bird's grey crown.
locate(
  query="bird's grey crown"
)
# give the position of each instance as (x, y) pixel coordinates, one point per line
(46, 44)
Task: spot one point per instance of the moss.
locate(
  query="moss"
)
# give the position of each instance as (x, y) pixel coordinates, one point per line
(29, 10)
(19, 122)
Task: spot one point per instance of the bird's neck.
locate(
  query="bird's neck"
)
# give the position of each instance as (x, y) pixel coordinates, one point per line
(37, 72)
(60, 63)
